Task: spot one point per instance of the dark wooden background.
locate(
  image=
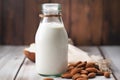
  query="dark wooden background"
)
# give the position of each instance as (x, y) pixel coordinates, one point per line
(88, 22)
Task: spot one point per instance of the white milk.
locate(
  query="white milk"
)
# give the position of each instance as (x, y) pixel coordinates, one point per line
(51, 49)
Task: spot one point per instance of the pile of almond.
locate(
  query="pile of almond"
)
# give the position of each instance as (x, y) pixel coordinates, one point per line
(84, 71)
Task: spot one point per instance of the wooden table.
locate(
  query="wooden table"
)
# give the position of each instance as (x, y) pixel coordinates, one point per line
(14, 65)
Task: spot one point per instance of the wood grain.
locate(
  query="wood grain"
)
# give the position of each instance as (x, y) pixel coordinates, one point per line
(13, 22)
(79, 22)
(28, 72)
(112, 53)
(18, 28)
(0, 21)
(86, 22)
(111, 23)
(95, 18)
(11, 58)
(8, 14)
(32, 11)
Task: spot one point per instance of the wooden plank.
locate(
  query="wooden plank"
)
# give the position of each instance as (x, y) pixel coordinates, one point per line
(112, 53)
(11, 58)
(95, 19)
(28, 71)
(86, 21)
(18, 26)
(13, 22)
(4, 51)
(111, 22)
(7, 20)
(65, 12)
(83, 20)
(0, 21)
(32, 20)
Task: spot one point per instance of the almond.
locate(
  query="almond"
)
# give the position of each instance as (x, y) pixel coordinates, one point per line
(84, 75)
(107, 74)
(82, 68)
(84, 72)
(48, 79)
(90, 64)
(72, 64)
(75, 70)
(78, 63)
(91, 70)
(97, 67)
(81, 79)
(70, 68)
(77, 75)
(66, 75)
(100, 73)
(91, 75)
(81, 64)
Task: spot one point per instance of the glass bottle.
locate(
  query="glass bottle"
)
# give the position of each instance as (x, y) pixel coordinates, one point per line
(51, 42)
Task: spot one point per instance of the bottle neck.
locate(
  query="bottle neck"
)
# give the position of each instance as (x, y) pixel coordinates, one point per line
(50, 12)
(53, 16)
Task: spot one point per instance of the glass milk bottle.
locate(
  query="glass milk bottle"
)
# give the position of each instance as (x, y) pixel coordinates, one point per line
(51, 42)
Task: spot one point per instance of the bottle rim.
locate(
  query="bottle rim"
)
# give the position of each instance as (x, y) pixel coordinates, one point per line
(51, 7)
